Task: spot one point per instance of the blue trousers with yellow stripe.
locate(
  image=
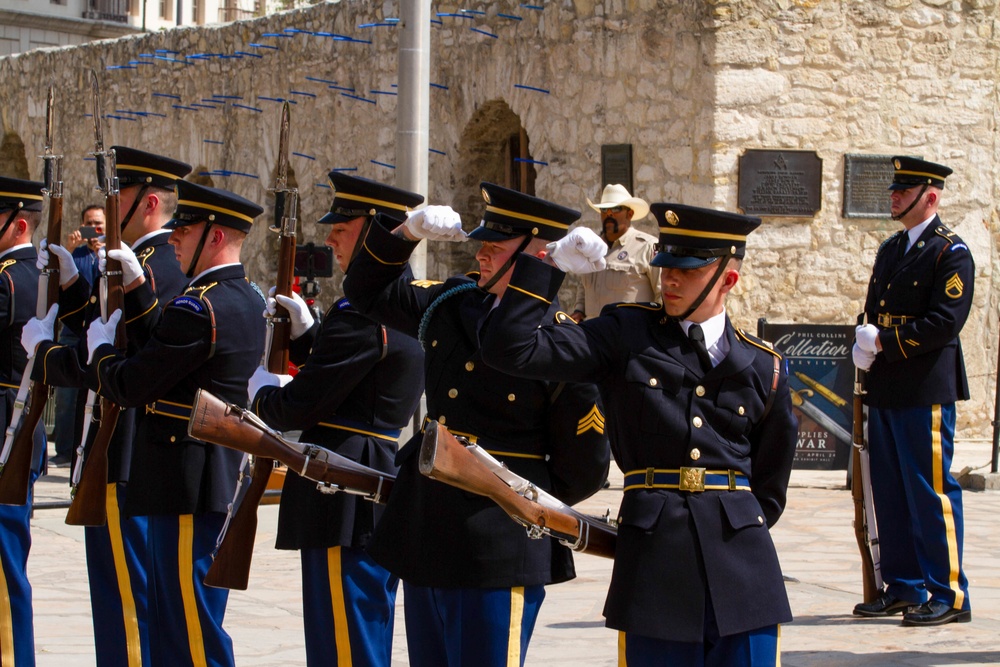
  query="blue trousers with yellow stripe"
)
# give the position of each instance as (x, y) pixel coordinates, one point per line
(185, 615)
(17, 634)
(918, 504)
(470, 627)
(116, 567)
(348, 604)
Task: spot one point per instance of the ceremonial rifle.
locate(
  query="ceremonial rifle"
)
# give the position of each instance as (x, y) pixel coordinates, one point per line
(90, 474)
(231, 565)
(213, 420)
(865, 530)
(18, 446)
(468, 467)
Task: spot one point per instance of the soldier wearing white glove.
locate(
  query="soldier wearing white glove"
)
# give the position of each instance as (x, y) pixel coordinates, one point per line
(863, 359)
(99, 333)
(263, 378)
(867, 338)
(301, 319)
(131, 270)
(435, 223)
(67, 267)
(580, 251)
(36, 330)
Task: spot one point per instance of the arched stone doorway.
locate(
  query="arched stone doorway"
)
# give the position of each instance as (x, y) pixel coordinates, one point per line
(12, 156)
(494, 147)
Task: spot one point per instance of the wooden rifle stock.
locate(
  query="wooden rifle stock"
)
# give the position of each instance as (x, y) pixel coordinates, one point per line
(871, 589)
(89, 504)
(243, 522)
(16, 472)
(444, 458)
(221, 423)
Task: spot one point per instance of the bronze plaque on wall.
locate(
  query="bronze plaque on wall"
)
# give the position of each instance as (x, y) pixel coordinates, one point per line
(785, 183)
(866, 185)
(616, 165)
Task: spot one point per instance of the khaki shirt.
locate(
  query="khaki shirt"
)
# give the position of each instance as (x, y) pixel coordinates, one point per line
(629, 277)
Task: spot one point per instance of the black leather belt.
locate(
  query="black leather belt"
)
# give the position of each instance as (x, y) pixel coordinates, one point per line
(687, 479)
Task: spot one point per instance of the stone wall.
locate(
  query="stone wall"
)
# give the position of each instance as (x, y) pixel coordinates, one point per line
(691, 85)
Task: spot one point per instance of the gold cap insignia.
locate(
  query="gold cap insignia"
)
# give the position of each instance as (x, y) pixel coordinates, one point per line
(671, 218)
(486, 196)
(897, 164)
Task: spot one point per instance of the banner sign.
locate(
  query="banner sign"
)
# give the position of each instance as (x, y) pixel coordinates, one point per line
(821, 381)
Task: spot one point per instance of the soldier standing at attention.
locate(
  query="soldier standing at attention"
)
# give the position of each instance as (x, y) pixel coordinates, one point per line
(358, 388)
(919, 297)
(116, 551)
(700, 420)
(209, 337)
(20, 213)
(473, 580)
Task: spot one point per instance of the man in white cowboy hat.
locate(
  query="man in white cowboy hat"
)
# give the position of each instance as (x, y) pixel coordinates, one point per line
(629, 276)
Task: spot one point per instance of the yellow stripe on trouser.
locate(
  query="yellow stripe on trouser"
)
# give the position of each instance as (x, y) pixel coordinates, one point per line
(185, 571)
(124, 580)
(777, 649)
(516, 618)
(946, 511)
(6, 623)
(622, 660)
(341, 634)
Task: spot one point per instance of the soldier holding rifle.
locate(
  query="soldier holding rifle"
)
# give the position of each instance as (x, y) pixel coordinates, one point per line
(208, 337)
(116, 551)
(20, 213)
(472, 579)
(700, 420)
(919, 297)
(357, 389)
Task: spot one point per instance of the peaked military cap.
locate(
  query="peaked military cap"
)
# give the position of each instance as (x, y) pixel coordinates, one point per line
(197, 203)
(692, 237)
(355, 197)
(911, 172)
(510, 214)
(17, 194)
(135, 167)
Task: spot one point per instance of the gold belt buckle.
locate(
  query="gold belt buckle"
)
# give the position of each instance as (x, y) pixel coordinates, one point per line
(884, 320)
(691, 479)
(151, 408)
(650, 472)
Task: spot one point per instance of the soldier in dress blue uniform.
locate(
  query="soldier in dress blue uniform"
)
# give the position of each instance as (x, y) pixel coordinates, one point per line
(116, 551)
(209, 337)
(20, 213)
(919, 297)
(473, 581)
(359, 386)
(700, 420)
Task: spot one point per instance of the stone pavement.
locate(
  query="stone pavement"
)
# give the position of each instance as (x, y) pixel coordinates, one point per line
(814, 538)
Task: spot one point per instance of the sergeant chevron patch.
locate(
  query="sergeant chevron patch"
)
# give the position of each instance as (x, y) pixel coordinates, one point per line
(592, 420)
(953, 288)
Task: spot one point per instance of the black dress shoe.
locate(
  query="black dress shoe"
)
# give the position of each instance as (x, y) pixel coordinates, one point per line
(883, 605)
(936, 612)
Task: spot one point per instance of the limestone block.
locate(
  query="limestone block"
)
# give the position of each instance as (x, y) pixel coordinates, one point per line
(738, 88)
(921, 17)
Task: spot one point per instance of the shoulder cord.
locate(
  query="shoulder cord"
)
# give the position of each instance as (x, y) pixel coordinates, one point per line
(447, 294)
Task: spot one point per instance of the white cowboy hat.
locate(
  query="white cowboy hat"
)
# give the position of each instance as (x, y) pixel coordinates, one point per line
(617, 195)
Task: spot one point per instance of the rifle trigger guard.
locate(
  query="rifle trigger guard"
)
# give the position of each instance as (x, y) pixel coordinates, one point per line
(329, 489)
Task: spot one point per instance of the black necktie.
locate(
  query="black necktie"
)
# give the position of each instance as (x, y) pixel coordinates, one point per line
(697, 337)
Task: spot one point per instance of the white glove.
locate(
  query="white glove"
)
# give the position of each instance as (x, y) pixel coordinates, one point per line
(300, 318)
(863, 359)
(262, 378)
(131, 271)
(866, 335)
(100, 333)
(37, 330)
(580, 251)
(436, 223)
(67, 267)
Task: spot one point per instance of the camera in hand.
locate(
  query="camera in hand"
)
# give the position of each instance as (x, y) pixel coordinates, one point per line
(88, 233)
(313, 261)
